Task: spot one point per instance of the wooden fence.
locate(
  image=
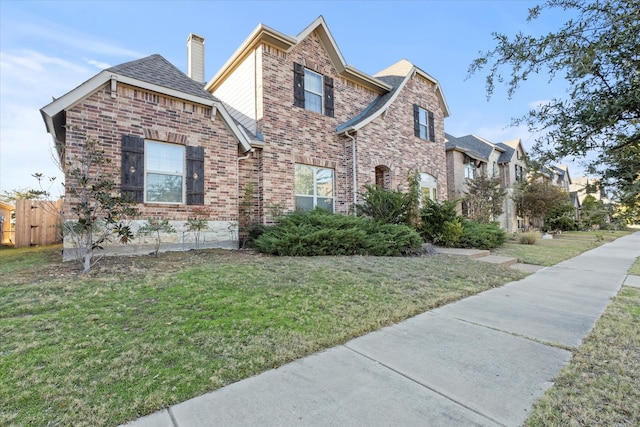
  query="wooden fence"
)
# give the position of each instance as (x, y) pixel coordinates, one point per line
(37, 223)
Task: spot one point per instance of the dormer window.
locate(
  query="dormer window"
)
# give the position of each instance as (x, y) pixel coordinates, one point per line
(312, 91)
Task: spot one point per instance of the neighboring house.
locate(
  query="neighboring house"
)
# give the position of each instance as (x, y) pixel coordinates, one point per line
(285, 114)
(327, 128)
(469, 156)
(584, 186)
(559, 176)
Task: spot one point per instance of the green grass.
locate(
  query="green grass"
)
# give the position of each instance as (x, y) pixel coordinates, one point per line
(141, 333)
(600, 386)
(560, 248)
(635, 268)
(15, 259)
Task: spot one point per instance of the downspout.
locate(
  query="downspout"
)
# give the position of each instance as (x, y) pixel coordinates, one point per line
(355, 175)
(238, 188)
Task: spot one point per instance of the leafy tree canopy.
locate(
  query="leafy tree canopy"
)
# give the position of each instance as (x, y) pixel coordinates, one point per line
(597, 52)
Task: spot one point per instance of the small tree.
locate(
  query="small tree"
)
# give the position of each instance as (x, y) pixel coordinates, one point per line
(198, 223)
(155, 227)
(535, 198)
(245, 216)
(593, 212)
(99, 212)
(485, 199)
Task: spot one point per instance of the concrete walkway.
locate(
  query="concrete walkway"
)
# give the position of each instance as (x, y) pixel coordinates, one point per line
(481, 361)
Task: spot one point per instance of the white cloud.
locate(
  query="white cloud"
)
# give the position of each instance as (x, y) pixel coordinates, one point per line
(98, 64)
(25, 148)
(35, 61)
(78, 41)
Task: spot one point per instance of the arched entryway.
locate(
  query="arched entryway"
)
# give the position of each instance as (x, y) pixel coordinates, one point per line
(383, 177)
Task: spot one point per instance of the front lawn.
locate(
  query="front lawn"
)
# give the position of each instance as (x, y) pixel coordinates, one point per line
(601, 384)
(562, 247)
(141, 333)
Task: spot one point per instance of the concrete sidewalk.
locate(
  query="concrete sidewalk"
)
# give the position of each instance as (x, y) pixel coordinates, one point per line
(481, 361)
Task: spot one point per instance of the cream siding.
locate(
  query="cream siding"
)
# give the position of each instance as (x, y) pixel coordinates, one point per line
(238, 92)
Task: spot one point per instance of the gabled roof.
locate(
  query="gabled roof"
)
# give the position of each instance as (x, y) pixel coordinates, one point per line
(472, 145)
(396, 76)
(153, 73)
(264, 34)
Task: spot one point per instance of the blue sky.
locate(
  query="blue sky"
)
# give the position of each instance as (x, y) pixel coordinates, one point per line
(47, 48)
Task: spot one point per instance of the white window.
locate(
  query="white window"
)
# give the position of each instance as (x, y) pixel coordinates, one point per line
(164, 173)
(423, 121)
(312, 91)
(428, 187)
(469, 168)
(314, 188)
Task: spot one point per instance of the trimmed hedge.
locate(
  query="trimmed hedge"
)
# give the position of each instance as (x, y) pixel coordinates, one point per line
(319, 232)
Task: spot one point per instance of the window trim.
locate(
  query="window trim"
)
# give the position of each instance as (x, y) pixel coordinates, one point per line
(320, 94)
(148, 171)
(469, 166)
(430, 183)
(429, 124)
(315, 196)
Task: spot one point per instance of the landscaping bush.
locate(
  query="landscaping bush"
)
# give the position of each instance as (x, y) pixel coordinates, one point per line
(450, 233)
(561, 218)
(319, 232)
(438, 223)
(386, 206)
(481, 236)
(529, 238)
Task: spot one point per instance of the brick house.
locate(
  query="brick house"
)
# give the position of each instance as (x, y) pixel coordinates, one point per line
(285, 114)
(469, 156)
(327, 127)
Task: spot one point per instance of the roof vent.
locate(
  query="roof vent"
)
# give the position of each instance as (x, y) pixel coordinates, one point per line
(195, 57)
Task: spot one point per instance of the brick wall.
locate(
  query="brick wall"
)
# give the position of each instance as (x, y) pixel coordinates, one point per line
(293, 134)
(155, 116)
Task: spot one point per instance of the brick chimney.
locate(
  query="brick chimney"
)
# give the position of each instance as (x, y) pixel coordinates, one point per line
(195, 57)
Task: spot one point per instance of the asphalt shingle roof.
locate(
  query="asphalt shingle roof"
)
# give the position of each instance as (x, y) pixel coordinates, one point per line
(157, 70)
(377, 104)
(507, 155)
(471, 144)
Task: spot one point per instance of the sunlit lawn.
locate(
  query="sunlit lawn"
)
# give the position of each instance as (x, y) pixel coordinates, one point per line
(560, 248)
(601, 384)
(142, 333)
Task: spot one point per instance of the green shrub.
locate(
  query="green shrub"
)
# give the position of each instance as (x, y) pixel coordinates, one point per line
(433, 217)
(451, 233)
(529, 238)
(561, 218)
(321, 233)
(386, 206)
(481, 236)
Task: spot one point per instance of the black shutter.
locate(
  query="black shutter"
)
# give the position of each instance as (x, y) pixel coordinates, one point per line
(432, 127)
(195, 175)
(416, 120)
(328, 96)
(298, 85)
(132, 182)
